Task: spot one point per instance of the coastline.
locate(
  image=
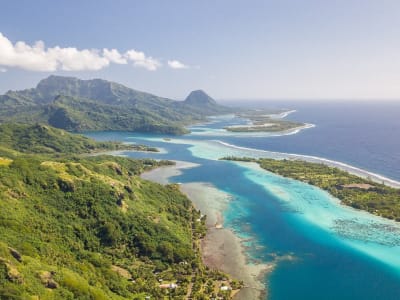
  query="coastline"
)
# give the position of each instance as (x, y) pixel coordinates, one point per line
(283, 114)
(258, 153)
(296, 129)
(340, 165)
(221, 249)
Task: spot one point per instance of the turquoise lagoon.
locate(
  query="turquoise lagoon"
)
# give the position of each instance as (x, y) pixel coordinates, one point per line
(322, 250)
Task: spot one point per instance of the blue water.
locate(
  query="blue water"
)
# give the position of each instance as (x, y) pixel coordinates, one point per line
(363, 134)
(336, 252)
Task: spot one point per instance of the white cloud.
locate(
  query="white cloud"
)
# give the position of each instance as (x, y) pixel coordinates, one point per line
(39, 58)
(139, 59)
(24, 56)
(175, 64)
(3, 70)
(114, 56)
(72, 59)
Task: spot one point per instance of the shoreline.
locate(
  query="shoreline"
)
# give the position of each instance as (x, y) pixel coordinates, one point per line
(340, 165)
(283, 114)
(296, 130)
(221, 248)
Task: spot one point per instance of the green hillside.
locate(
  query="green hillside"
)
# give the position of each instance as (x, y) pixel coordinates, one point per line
(88, 227)
(44, 139)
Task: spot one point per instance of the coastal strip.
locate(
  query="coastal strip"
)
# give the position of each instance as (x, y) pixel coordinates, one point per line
(221, 249)
(350, 189)
(315, 159)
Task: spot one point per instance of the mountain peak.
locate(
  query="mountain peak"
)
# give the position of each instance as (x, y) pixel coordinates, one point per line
(199, 97)
(55, 79)
(54, 85)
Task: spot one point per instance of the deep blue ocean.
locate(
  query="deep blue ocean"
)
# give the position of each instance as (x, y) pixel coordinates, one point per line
(364, 134)
(336, 252)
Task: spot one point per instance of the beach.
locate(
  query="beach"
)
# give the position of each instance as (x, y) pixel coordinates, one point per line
(221, 249)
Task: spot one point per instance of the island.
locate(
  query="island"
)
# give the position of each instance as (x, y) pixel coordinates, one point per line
(365, 194)
(265, 120)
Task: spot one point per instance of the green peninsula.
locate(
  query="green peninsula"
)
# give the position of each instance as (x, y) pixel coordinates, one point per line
(352, 190)
(76, 226)
(44, 139)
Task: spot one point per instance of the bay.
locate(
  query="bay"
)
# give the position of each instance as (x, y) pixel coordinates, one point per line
(322, 250)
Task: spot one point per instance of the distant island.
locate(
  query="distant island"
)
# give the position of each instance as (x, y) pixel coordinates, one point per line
(99, 105)
(265, 120)
(352, 190)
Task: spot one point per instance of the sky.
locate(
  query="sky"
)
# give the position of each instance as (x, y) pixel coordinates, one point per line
(232, 49)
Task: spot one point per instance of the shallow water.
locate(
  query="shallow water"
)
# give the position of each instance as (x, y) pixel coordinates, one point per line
(323, 250)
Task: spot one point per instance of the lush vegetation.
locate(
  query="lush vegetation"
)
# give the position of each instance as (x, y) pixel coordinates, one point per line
(43, 139)
(88, 227)
(352, 190)
(88, 105)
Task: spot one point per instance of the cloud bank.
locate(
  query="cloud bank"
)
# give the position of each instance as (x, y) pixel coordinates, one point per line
(37, 57)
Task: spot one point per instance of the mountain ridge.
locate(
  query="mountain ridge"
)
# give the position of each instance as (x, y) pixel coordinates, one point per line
(98, 104)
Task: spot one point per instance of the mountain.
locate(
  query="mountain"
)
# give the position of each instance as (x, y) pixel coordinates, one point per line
(200, 98)
(82, 105)
(201, 103)
(88, 227)
(103, 91)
